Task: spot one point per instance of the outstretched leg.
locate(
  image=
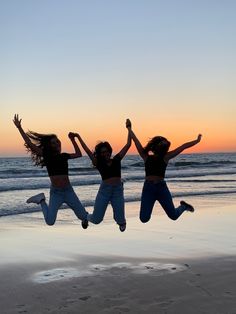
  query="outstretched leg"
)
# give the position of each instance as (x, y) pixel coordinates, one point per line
(165, 199)
(72, 200)
(49, 212)
(55, 202)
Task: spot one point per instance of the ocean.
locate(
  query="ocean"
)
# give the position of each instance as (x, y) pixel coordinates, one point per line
(188, 176)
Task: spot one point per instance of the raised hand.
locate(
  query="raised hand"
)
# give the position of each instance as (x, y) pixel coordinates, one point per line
(128, 123)
(199, 137)
(17, 121)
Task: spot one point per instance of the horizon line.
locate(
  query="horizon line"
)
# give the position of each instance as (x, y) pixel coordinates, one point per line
(131, 154)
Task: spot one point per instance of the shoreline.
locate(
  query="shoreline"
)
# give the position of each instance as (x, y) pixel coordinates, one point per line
(184, 266)
(206, 232)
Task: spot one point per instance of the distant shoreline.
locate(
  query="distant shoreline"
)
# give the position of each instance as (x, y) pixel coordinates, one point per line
(194, 153)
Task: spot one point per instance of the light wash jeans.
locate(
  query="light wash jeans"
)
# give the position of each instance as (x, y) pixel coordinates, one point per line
(109, 193)
(58, 196)
(159, 191)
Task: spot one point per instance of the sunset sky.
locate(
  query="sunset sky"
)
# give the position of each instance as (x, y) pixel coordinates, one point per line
(86, 66)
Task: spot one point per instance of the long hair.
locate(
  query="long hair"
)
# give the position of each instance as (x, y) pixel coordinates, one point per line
(155, 148)
(42, 141)
(98, 147)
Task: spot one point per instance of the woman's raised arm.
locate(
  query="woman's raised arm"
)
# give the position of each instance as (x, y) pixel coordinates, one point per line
(181, 148)
(28, 142)
(138, 145)
(77, 152)
(124, 150)
(86, 149)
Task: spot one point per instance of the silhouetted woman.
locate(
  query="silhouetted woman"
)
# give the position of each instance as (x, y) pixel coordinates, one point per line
(111, 189)
(45, 150)
(156, 156)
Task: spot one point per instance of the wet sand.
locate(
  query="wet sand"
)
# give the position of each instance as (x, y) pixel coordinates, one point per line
(187, 266)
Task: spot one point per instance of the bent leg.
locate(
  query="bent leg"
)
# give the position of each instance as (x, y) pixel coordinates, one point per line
(165, 199)
(101, 203)
(50, 212)
(148, 199)
(72, 200)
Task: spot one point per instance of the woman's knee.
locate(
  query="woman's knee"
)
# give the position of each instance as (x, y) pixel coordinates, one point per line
(50, 222)
(172, 216)
(144, 218)
(97, 221)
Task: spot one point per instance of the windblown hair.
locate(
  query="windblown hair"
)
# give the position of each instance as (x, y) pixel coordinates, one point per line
(42, 141)
(155, 148)
(99, 146)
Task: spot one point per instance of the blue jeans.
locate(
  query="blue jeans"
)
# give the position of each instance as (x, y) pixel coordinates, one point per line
(159, 191)
(109, 193)
(58, 196)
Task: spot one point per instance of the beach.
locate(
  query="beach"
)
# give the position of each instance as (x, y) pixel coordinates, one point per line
(127, 102)
(164, 266)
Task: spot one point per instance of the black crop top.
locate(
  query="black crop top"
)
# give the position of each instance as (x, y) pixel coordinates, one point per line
(114, 170)
(155, 166)
(57, 164)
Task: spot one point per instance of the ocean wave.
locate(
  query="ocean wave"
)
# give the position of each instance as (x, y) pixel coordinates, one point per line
(41, 173)
(203, 164)
(222, 163)
(135, 198)
(138, 164)
(200, 174)
(201, 180)
(179, 169)
(14, 185)
(43, 185)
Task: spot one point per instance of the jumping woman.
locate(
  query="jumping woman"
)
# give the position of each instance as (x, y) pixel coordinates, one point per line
(45, 150)
(111, 189)
(156, 156)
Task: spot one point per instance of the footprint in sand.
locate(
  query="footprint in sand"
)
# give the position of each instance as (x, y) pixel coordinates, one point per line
(21, 308)
(114, 269)
(85, 298)
(157, 269)
(122, 309)
(58, 274)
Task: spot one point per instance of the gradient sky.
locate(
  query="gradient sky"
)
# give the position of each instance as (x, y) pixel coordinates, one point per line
(86, 66)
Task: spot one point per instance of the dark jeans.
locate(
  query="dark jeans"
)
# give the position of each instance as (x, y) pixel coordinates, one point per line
(58, 196)
(159, 191)
(109, 193)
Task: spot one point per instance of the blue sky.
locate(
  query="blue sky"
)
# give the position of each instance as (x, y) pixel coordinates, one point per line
(127, 58)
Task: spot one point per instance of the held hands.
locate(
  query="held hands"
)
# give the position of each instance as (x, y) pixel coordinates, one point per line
(17, 121)
(73, 135)
(128, 124)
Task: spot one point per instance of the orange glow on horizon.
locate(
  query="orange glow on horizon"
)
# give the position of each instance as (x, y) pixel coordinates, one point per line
(218, 136)
(13, 145)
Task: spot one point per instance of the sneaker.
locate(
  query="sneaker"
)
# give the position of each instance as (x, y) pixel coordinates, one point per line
(122, 227)
(188, 206)
(84, 224)
(37, 199)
